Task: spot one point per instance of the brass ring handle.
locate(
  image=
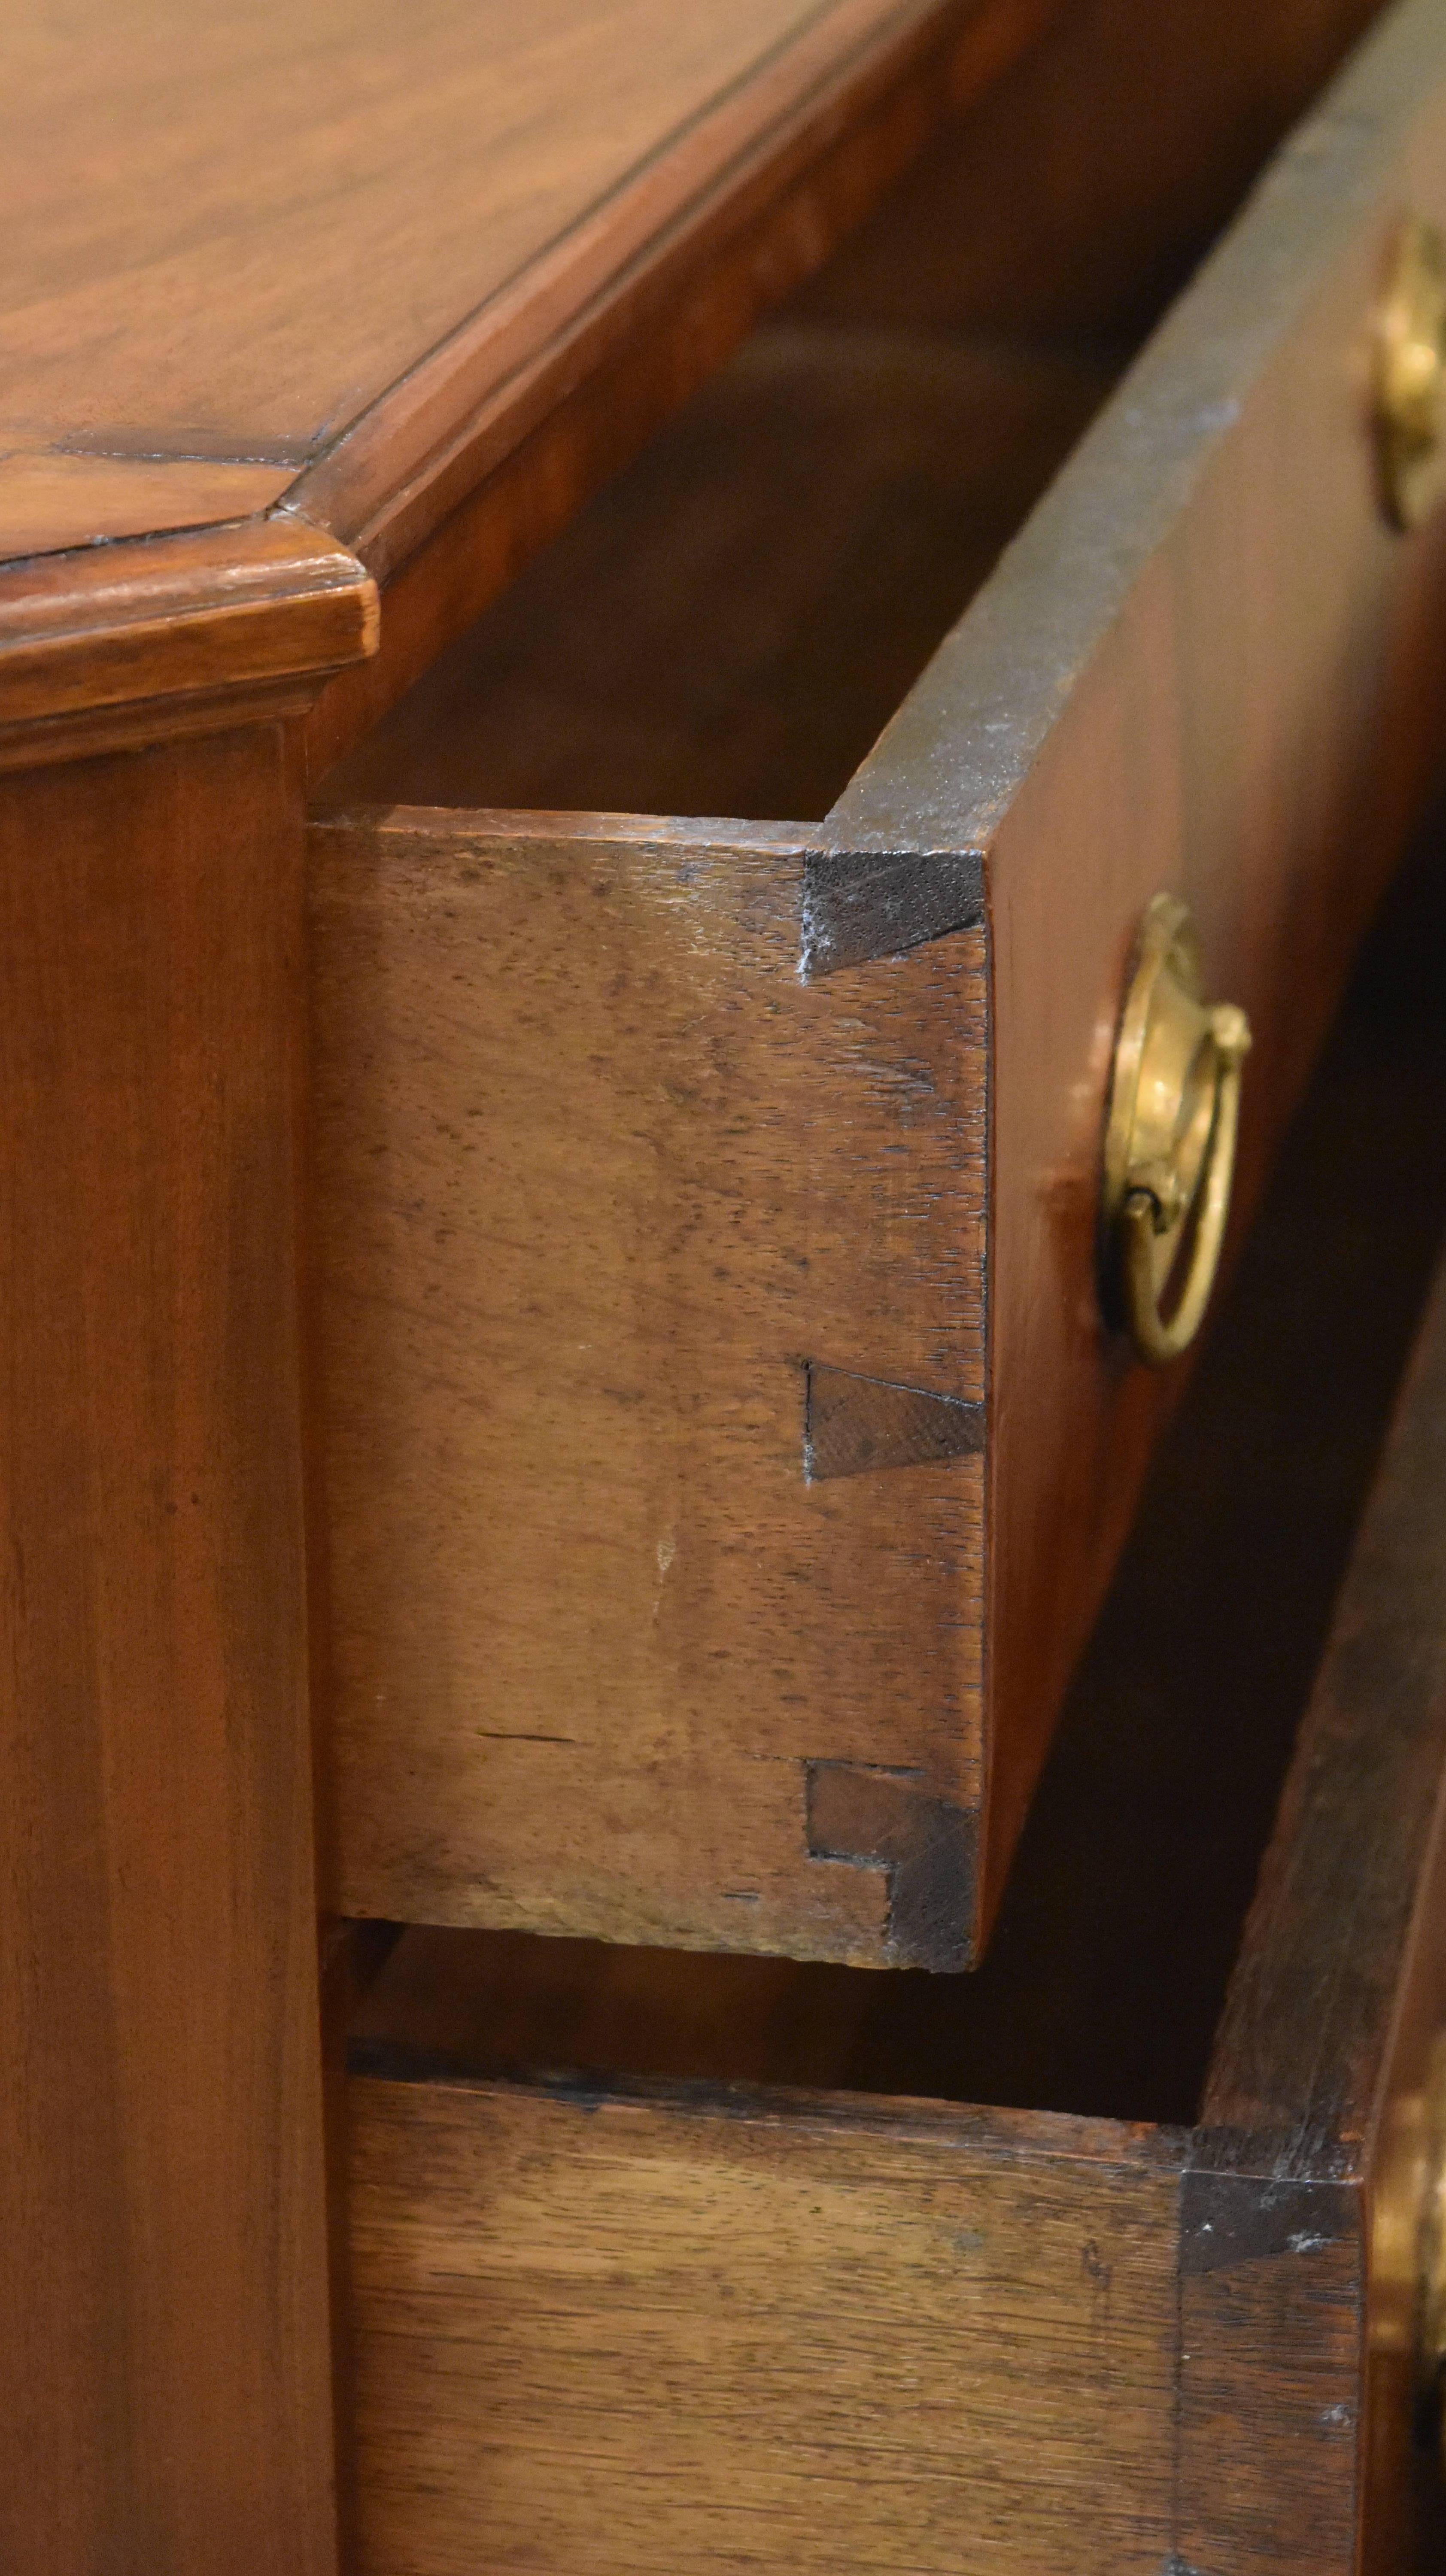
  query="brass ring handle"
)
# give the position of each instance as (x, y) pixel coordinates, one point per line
(1143, 1218)
(1410, 386)
(1170, 1138)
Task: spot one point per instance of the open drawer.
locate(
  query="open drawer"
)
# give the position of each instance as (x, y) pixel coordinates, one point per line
(725, 1444)
(1106, 2256)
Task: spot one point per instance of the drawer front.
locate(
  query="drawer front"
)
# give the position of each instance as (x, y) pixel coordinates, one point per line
(725, 1450)
(1210, 666)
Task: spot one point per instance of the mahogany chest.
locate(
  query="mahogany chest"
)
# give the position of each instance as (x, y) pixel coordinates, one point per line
(699, 712)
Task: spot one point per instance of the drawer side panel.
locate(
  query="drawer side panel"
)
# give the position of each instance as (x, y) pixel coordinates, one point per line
(637, 2338)
(652, 1376)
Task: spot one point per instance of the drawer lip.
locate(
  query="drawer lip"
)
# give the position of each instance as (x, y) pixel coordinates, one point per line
(1001, 679)
(982, 2129)
(1305, 2155)
(855, 908)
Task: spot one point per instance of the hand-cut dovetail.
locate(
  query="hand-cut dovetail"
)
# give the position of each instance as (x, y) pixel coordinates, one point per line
(853, 1425)
(873, 1818)
(858, 906)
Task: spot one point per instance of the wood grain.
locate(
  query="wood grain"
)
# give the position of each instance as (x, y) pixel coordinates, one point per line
(137, 643)
(167, 2329)
(682, 2331)
(1205, 666)
(276, 161)
(164, 2330)
(724, 215)
(564, 226)
(493, 180)
(1316, 2117)
(1302, 2048)
(512, 472)
(50, 501)
(597, 1175)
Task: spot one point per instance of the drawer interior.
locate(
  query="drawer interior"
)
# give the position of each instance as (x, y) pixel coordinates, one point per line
(729, 624)
(1104, 1983)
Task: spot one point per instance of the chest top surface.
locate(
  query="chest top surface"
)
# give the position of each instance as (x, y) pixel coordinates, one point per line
(226, 239)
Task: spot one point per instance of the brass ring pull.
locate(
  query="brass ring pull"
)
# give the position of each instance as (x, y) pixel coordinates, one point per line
(1170, 1137)
(1410, 390)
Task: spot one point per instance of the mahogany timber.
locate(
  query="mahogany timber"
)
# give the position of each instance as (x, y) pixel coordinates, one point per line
(471, 162)
(141, 643)
(522, 194)
(657, 2323)
(160, 2166)
(694, 167)
(50, 501)
(1328, 2052)
(164, 2334)
(672, 2329)
(802, 114)
(628, 1632)
(1095, 177)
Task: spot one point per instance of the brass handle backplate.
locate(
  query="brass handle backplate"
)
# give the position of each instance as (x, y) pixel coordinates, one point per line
(1411, 376)
(1170, 1137)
